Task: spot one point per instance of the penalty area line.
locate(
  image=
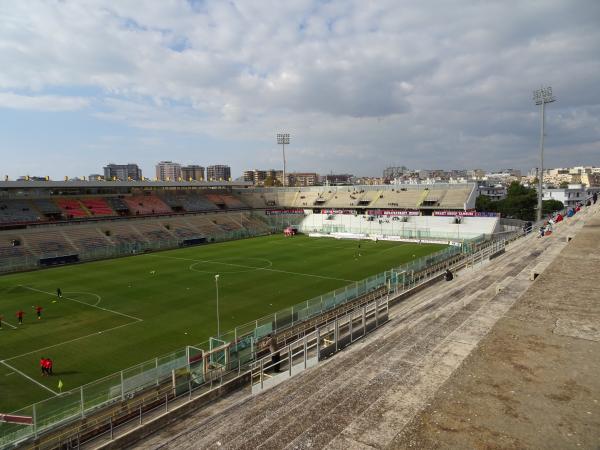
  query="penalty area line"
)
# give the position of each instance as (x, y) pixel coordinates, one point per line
(69, 341)
(84, 303)
(4, 322)
(29, 378)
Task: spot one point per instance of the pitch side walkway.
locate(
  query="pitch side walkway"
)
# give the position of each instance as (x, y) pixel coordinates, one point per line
(400, 386)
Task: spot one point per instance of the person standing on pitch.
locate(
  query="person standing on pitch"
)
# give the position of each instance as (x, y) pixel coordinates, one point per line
(20, 314)
(43, 365)
(49, 366)
(58, 293)
(38, 310)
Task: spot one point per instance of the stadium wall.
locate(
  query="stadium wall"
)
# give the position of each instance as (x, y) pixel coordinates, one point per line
(411, 227)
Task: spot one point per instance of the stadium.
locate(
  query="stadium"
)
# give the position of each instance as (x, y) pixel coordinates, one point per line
(166, 287)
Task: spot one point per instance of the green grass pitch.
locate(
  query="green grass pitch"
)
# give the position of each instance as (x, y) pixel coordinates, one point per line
(117, 313)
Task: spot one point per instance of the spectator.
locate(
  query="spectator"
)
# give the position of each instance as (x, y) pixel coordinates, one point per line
(448, 276)
(275, 356)
(595, 197)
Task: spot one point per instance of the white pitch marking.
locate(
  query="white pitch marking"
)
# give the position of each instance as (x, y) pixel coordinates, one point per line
(86, 293)
(4, 322)
(84, 303)
(252, 267)
(69, 341)
(29, 378)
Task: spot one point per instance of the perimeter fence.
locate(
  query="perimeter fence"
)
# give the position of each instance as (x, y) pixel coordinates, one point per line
(230, 352)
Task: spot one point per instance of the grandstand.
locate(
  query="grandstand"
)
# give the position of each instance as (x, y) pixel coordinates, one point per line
(189, 201)
(47, 207)
(88, 220)
(97, 206)
(71, 208)
(146, 205)
(14, 211)
(85, 222)
(414, 197)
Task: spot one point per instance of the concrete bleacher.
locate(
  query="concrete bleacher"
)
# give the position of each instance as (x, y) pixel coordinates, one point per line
(146, 205)
(12, 211)
(455, 198)
(227, 223)
(232, 202)
(490, 359)
(83, 237)
(47, 244)
(399, 199)
(123, 234)
(153, 230)
(8, 249)
(112, 237)
(204, 225)
(434, 196)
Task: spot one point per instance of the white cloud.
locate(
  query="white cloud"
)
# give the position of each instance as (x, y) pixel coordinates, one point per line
(42, 102)
(392, 80)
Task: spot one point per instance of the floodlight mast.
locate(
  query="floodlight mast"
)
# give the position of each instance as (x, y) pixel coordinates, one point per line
(541, 97)
(283, 139)
(218, 316)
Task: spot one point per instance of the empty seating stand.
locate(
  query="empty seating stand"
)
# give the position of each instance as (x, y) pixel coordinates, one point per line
(97, 207)
(47, 207)
(152, 230)
(232, 202)
(71, 208)
(14, 211)
(146, 204)
(11, 246)
(188, 201)
(48, 244)
(117, 204)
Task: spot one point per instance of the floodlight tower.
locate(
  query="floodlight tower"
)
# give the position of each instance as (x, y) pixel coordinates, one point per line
(218, 317)
(283, 139)
(541, 97)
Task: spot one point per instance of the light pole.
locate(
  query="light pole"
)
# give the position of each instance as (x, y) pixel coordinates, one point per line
(541, 97)
(218, 321)
(283, 139)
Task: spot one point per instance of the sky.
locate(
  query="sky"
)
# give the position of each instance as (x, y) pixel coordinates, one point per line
(360, 85)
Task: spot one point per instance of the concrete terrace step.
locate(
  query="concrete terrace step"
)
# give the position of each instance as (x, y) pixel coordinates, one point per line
(369, 391)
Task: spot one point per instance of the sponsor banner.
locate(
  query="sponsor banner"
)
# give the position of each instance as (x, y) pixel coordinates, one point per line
(277, 212)
(466, 214)
(392, 212)
(338, 211)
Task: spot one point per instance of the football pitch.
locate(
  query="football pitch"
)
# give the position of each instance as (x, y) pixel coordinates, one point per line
(120, 312)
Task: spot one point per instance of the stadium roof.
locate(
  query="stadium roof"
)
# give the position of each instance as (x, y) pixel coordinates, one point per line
(22, 184)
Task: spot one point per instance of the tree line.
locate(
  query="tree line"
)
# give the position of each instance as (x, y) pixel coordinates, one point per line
(520, 203)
